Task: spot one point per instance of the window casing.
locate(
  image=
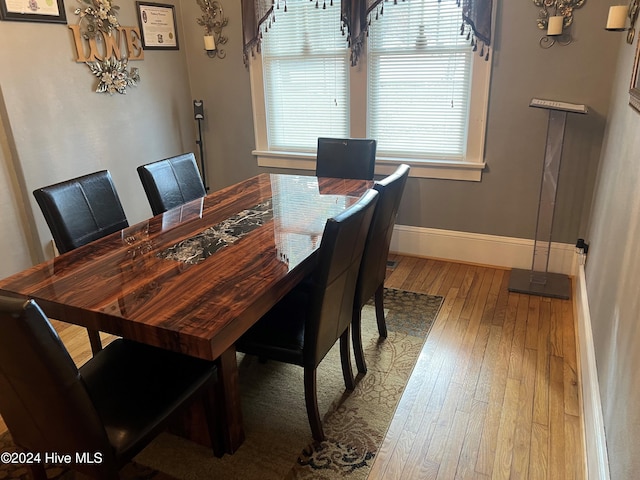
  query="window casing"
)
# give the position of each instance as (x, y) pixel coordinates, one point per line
(409, 73)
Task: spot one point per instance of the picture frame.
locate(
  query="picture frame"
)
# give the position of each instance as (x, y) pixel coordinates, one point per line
(51, 11)
(157, 26)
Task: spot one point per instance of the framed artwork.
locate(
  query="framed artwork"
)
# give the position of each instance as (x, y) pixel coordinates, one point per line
(46, 11)
(157, 26)
(634, 89)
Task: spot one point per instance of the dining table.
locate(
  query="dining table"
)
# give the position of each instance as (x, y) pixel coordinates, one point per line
(195, 278)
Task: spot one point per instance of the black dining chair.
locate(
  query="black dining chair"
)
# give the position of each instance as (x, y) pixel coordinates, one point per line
(306, 323)
(346, 158)
(171, 182)
(112, 406)
(374, 259)
(79, 211)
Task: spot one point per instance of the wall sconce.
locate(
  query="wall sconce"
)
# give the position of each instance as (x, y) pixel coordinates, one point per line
(213, 21)
(555, 17)
(617, 19)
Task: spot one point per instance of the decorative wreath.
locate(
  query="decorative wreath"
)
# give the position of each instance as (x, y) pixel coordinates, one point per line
(97, 16)
(113, 76)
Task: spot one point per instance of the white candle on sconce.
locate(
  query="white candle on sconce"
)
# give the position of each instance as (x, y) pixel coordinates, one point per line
(554, 26)
(209, 43)
(617, 17)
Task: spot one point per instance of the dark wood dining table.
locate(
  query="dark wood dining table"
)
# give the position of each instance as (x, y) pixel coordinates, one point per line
(195, 278)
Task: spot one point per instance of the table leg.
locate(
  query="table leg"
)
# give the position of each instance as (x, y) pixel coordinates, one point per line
(229, 395)
(193, 421)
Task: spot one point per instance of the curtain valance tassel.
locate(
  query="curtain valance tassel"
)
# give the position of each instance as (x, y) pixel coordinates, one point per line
(474, 41)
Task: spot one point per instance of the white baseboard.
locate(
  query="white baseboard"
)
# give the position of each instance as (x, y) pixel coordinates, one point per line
(507, 252)
(597, 460)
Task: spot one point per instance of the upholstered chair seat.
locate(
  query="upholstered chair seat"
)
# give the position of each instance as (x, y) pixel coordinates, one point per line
(115, 404)
(306, 323)
(79, 211)
(373, 268)
(171, 182)
(346, 158)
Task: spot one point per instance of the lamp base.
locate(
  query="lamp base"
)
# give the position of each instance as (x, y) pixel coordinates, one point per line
(556, 285)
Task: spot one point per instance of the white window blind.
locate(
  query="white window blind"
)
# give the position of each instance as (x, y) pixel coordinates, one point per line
(419, 81)
(306, 77)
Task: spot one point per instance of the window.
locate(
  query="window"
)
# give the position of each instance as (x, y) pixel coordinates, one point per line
(419, 89)
(306, 71)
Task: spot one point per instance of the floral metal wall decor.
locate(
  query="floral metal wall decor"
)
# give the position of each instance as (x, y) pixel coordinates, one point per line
(98, 24)
(556, 7)
(97, 16)
(213, 21)
(113, 76)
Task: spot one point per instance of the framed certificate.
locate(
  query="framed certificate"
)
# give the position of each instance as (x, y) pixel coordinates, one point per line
(157, 26)
(48, 11)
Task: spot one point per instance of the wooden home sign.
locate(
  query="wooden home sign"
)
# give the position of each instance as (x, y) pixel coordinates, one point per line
(124, 43)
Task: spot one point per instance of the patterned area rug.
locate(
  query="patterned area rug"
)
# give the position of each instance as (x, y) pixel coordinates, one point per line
(278, 441)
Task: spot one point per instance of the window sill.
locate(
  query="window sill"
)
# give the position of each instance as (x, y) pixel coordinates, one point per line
(449, 170)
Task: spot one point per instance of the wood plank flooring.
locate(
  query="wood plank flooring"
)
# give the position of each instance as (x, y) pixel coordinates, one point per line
(495, 392)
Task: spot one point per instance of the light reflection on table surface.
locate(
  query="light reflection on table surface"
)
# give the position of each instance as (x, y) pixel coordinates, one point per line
(126, 284)
(260, 236)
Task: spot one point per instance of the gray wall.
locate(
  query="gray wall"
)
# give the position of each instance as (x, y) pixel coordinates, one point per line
(223, 86)
(53, 127)
(61, 129)
(505, 202)
(613, 276)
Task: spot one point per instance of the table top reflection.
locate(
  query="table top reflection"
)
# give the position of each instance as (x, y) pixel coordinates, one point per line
(196, 277)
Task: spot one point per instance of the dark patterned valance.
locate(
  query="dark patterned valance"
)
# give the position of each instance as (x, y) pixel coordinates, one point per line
(356, 16)
(355, 19)
(476, 15)
(257, 15)
(254, 14)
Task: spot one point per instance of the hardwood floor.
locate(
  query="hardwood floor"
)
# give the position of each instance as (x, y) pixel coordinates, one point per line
(495, 392)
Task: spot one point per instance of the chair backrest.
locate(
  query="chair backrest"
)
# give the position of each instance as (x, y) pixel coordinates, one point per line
(334, 280)
(376, 250)
(171, 182)
(43, 399)
(81, 210)
(346, 158)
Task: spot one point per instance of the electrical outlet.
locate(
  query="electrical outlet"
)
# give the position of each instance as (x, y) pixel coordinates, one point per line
(581, 249)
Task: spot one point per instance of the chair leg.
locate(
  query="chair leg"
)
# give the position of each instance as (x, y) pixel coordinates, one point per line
(94, 340)
(356, 336)
(311, 400)
(379, 300)
(345, 358)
